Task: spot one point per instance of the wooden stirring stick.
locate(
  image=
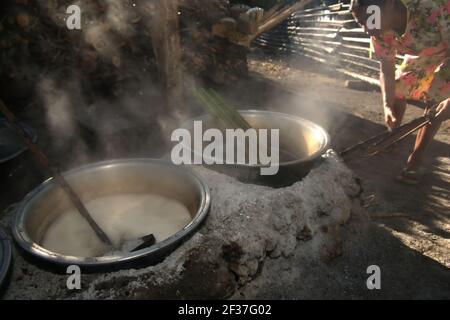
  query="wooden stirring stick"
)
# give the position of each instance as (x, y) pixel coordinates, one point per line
(44, 161)
(381, 142)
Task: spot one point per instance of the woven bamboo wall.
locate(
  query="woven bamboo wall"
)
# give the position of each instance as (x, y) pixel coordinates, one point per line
(329, 35)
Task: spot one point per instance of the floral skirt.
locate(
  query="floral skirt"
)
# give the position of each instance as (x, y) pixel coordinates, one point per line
(425, 78)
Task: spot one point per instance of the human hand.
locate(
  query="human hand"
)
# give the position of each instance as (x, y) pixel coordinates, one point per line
(443, 110)
(390, 118)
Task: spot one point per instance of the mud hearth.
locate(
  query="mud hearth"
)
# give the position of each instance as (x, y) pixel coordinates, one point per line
(253, 236)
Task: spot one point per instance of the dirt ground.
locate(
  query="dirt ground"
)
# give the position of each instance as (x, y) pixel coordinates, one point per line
(419, 216)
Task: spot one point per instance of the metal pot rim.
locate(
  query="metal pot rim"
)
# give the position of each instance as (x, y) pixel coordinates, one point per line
(5, 256)
(25, 242)
(324, 147)
(22, 148)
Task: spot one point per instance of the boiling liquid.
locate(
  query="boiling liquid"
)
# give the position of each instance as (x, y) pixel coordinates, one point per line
(124, 217)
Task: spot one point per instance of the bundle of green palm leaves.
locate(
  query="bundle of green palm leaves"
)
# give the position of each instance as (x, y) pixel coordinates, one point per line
(220, 110)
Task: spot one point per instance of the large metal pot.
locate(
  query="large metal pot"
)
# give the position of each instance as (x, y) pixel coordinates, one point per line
(301, 138)
(43, 205)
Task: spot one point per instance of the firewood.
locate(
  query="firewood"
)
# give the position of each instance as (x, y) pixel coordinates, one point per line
(279, 17)
(23, 20)
(254, 23)
(238, 9)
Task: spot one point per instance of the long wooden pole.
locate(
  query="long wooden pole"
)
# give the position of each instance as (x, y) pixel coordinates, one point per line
(278, 17)
(165, 35)
(46, 164)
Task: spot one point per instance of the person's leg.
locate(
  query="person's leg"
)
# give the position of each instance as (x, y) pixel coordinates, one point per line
(438, 91)
(413, 80)
(423, 140)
